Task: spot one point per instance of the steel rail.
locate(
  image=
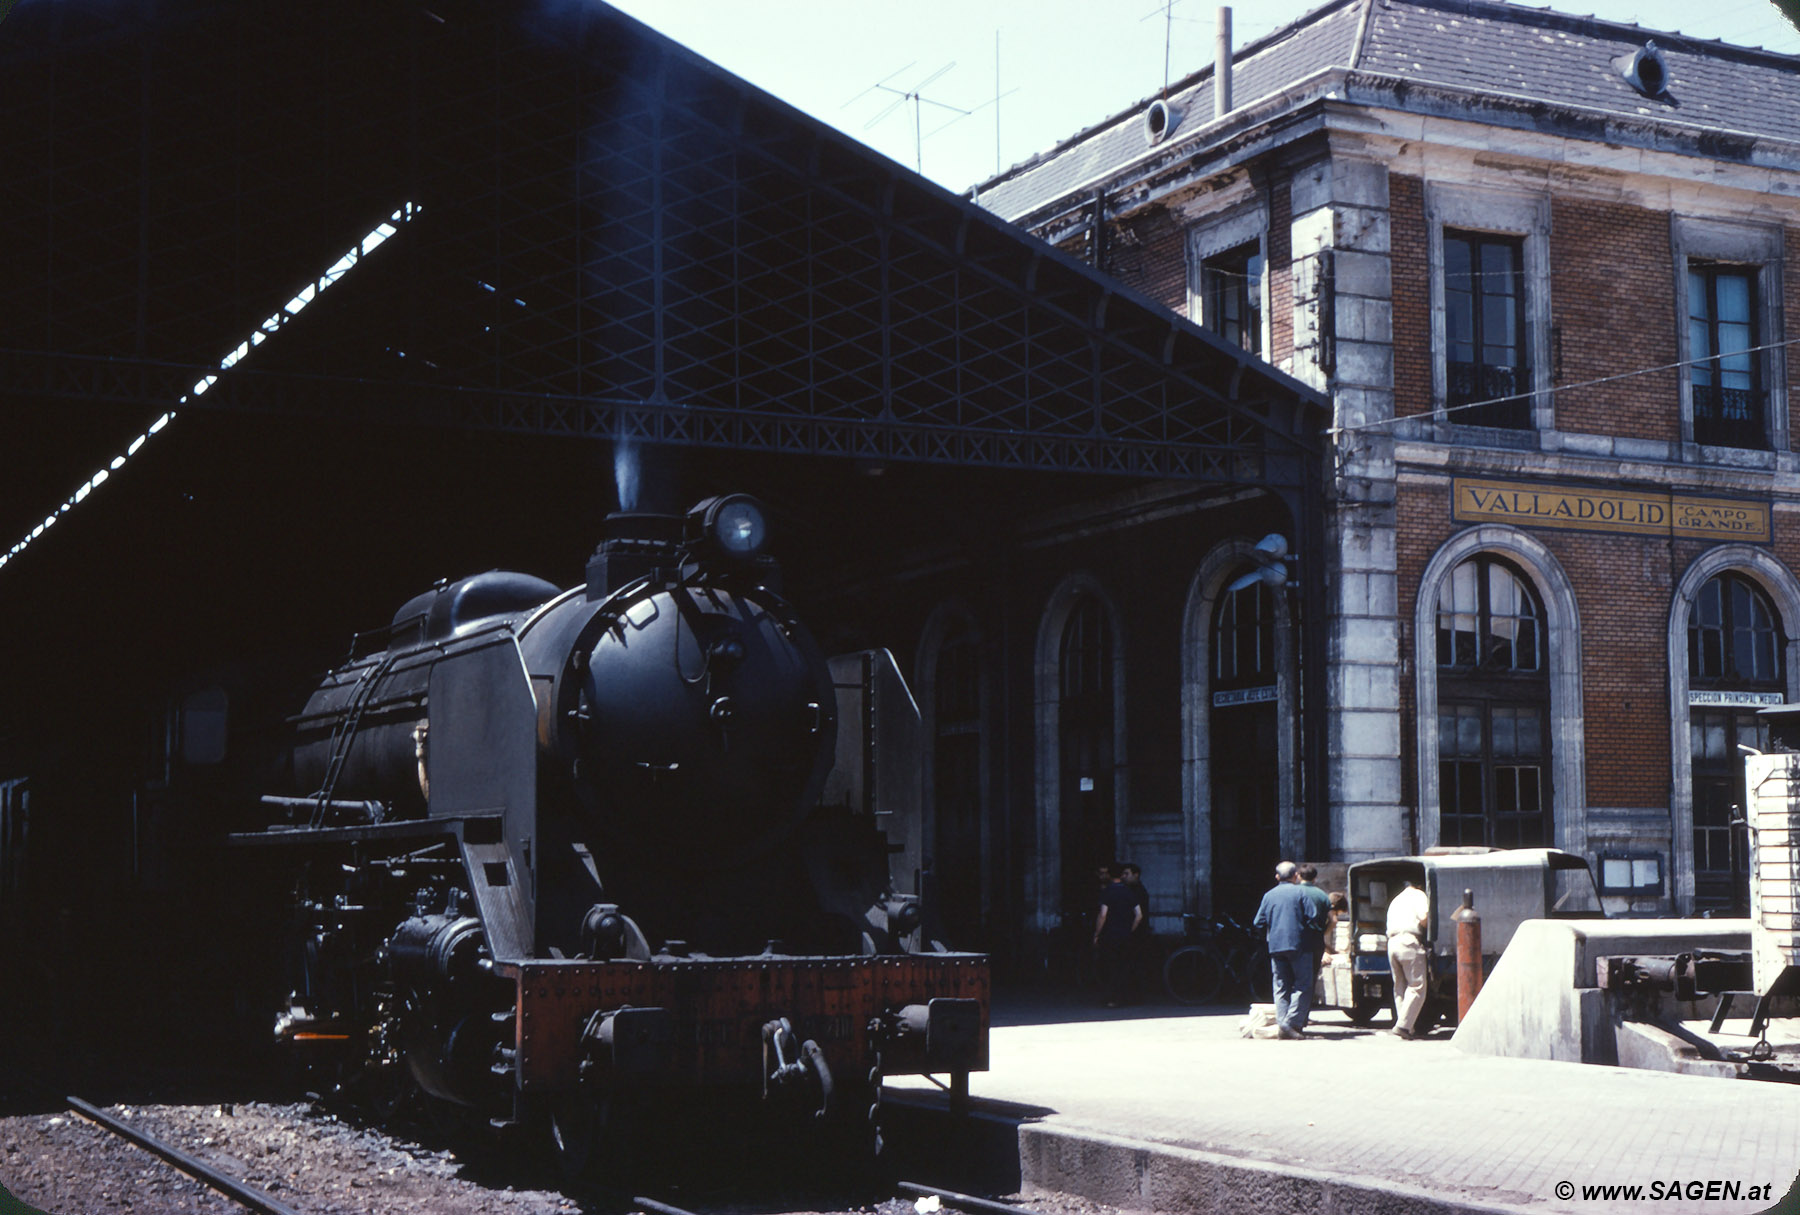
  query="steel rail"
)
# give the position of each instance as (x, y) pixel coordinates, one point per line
(962, 1202)
(652, 1207)
(225, 1183)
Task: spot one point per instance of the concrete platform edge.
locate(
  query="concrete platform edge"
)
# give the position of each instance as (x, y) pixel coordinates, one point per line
(1134, 1175)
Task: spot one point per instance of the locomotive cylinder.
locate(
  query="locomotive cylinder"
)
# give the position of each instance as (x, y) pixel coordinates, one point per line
(426, 949)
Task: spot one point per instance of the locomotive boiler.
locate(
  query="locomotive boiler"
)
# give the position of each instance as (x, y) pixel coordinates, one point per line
(566, 856)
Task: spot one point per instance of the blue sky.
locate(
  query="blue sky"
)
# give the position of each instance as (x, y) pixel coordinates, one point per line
(1063, 64)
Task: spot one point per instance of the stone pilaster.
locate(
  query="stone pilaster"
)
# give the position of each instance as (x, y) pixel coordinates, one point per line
(1343, 345)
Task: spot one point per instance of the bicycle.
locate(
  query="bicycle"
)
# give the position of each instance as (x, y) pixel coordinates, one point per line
(1220, 949)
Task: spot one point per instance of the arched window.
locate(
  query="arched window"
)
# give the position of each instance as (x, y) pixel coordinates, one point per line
(1733, 637)
(1086, 657)
(1085, 717)
(1244, 639)
(1488, 620)
(1493, 708)
(1734, 661)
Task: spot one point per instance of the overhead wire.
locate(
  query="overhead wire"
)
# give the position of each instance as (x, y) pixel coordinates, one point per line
(1556, 388)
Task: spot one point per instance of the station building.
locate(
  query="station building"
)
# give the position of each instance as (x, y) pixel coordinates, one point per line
(1538, 263)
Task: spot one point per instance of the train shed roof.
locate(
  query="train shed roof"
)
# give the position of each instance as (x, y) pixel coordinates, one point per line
(590, 232)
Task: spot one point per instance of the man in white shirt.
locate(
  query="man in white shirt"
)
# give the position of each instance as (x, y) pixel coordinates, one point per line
(1408, 959)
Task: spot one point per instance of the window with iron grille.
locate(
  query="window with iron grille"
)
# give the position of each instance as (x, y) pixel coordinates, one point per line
(1487, 359)
(1493, 709)
(1724, 374)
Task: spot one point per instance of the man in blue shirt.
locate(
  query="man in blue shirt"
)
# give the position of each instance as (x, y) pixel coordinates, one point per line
(1291, 919)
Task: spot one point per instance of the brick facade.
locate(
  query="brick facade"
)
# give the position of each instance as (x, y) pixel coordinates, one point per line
(1412, 302)
(1610, 261)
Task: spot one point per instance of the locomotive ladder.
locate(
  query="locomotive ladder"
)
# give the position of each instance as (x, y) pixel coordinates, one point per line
(343, 735)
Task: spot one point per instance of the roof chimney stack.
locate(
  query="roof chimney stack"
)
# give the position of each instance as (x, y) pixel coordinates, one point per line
(1222, 67)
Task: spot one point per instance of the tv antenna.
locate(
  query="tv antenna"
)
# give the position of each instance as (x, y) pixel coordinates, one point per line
(998, 98)
(916, 95)
(1166, 10)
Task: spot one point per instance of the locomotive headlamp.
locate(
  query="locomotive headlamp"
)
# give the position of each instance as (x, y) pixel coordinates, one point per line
(734, 525)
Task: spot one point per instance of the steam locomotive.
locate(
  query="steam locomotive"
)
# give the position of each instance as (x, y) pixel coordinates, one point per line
(558, 856)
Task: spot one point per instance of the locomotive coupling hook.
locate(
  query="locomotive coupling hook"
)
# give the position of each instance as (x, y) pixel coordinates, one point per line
(787, 1061)
(781, 1055)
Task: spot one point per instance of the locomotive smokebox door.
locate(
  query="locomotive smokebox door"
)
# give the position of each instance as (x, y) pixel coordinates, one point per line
(482, 760)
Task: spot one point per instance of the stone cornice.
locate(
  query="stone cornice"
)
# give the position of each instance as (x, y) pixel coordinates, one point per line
(1416, 462)
(1583, 145)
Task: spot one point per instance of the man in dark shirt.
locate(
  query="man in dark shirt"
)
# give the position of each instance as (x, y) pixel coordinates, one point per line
(1138, 963)
(1315, 941)
(1289, 918)
(1119, 916)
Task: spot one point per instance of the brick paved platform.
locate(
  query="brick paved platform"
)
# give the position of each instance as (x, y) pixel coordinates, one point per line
(1158, 1110)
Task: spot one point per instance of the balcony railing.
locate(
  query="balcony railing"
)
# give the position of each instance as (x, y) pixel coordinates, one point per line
(1729, 417)
(1505, 391)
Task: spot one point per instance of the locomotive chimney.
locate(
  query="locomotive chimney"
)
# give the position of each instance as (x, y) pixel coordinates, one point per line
(636, 543)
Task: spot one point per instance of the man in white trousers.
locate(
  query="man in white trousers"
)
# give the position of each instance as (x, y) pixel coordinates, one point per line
(1408, 958)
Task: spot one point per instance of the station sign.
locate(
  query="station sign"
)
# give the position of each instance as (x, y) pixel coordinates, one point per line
(1630, 511)
(1734, 700)
(1244, 696)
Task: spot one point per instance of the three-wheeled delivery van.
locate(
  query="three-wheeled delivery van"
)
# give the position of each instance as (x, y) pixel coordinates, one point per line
(1509, 886)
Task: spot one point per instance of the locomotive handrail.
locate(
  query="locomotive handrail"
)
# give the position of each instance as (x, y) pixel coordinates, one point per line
(399, 829)
(548, 606)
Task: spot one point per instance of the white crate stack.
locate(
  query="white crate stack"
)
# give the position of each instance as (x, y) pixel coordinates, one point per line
(1774, 784)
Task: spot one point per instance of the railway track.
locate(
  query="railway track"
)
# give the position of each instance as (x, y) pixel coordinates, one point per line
(911, 1189)
(240, 1190)
(232, 1187)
